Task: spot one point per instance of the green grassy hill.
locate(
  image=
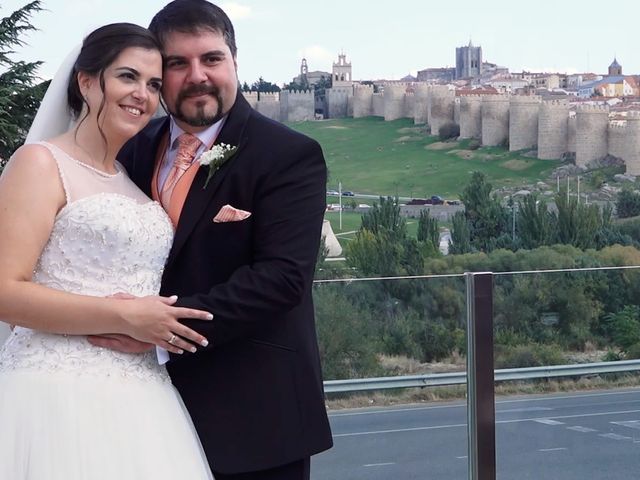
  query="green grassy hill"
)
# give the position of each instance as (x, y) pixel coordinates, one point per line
(369, 155)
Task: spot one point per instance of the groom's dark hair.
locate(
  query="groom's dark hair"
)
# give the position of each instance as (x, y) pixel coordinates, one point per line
(193, 16)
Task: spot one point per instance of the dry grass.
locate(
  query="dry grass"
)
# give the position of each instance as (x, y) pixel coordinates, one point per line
(458, 392)
(408, 138)
(516, 165)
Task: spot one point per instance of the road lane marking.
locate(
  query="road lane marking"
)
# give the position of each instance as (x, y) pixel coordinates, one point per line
(379, 464)
(399, 430)
(464, 405)
(458, 425)
(614, 436)
(630, 424)
(548, 421)
(396, 410)
(580, 429)
(464, 457)
(552, 449)
(524, 410)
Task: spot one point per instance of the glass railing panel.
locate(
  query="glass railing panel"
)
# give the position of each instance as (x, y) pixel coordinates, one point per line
(584, 423)
(409, 329)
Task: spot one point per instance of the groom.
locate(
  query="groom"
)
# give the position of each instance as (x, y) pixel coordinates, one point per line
(245, 248)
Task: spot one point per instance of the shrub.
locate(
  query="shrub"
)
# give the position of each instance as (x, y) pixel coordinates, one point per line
(533, 355)
(449, 130)
(474, 144)
(628, 204)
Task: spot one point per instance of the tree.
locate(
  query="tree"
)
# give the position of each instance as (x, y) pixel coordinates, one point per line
(535, 226)
(385, 216)
(261, 85)
(486, 216)
(428, 232)
(628, 204)
(460, 235)
(20, 95)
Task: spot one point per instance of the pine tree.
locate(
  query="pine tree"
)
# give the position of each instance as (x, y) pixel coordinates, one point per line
(20, 93)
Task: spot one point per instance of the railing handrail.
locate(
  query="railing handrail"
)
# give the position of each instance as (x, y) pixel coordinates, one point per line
(459, 378)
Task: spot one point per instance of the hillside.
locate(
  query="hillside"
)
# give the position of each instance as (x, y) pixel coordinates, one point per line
(369, 155)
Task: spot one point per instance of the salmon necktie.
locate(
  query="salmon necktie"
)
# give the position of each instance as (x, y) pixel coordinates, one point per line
(188, 145)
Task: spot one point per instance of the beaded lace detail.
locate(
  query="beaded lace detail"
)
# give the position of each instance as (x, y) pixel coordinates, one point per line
(113, 240)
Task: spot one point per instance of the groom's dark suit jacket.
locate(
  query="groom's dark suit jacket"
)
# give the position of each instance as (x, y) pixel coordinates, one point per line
(255, 393)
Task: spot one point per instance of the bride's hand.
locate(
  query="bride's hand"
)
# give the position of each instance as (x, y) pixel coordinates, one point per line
(154, 320)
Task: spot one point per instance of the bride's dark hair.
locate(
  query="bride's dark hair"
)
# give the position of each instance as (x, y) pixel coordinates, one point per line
(99, 49)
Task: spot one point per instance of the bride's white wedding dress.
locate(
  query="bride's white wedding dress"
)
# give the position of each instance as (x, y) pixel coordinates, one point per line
(72, 411)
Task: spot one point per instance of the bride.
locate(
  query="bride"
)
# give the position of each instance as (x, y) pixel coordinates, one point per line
(76, 233)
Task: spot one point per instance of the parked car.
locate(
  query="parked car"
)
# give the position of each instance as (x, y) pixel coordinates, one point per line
(453, 202)
(348, 194)
(437, 200)
(332, 192)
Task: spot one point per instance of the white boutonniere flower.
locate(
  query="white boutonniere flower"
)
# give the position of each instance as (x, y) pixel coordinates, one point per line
(215, 157)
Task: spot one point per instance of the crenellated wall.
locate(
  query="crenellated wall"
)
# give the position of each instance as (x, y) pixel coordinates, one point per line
(495, 119)
(378, 105)
(394, 101)
(553, 129)
(337, 102)
(632, 155)
(269, 105)
(523, 122)
(410, 105)
(422, 92)
(471, 116)
(617, 141)
(362, 101)
(252, 98)
(297, 106)
(441, 107)
(592, 127)
(571, 134)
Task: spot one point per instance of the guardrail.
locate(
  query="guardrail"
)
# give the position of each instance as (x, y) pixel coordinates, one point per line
(460, 378)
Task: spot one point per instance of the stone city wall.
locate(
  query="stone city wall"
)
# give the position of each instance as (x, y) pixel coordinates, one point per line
(471, 116)
(495, 119)
(523, 122)
(297, 106)
(553, 129)
(592, 127)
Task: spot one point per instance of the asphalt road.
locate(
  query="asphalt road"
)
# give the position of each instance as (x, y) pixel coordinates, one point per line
(593, 436)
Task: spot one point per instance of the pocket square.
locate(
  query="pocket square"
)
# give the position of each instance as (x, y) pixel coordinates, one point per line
(230, 214)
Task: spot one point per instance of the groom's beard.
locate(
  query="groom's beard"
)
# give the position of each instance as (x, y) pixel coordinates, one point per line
(200, 118)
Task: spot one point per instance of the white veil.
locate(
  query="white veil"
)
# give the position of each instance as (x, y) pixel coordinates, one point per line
(54, 117)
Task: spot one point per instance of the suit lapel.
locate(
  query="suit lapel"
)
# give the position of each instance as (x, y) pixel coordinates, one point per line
(144, 161)
(199, 198)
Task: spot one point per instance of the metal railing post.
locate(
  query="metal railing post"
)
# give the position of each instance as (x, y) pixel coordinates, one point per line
(480, 380)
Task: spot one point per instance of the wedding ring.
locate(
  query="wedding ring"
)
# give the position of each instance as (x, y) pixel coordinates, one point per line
(172, 339)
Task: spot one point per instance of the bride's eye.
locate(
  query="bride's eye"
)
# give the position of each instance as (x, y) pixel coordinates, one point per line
(127, 76)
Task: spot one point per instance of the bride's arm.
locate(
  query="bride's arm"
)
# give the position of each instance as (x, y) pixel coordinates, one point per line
(31, 194)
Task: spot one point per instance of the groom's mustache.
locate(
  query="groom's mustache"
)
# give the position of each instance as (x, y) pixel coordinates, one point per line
(197, 90)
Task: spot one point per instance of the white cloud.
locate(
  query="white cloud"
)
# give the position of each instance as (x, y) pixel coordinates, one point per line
(318, 58)
(235, 10)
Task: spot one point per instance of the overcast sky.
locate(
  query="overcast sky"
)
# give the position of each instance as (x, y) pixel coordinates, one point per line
(388, 41)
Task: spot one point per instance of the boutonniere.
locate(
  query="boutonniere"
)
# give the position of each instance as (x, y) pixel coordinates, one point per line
(215, 157)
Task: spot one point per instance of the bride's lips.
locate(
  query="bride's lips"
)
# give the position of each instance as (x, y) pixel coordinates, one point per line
(134, 111)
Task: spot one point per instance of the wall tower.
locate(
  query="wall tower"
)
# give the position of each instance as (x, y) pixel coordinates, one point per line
(342, 72)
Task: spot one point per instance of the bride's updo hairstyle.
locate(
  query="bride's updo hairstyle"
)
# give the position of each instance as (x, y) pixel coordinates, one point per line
(99, 50)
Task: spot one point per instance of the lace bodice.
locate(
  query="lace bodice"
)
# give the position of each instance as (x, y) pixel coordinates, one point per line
(108, 238)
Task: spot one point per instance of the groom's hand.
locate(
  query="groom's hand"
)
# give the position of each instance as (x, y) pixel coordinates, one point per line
(120, 343)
